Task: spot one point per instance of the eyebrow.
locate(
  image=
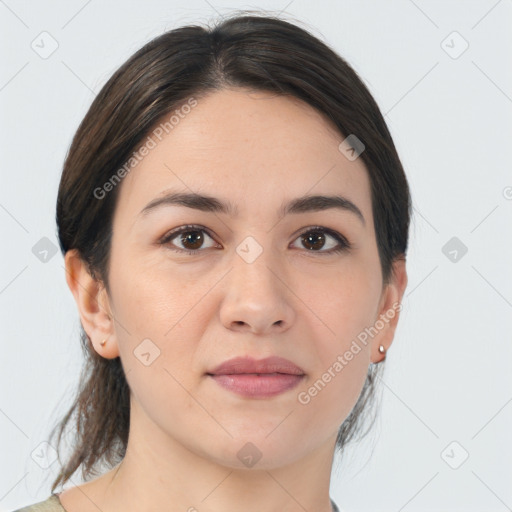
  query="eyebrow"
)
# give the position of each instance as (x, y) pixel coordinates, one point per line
(312, 203)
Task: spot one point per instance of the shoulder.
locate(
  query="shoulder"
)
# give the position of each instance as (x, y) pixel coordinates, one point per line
(51, 504)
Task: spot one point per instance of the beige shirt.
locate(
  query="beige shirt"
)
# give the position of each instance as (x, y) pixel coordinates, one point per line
(52, 504)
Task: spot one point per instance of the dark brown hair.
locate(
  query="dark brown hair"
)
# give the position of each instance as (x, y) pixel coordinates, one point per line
(259, 52)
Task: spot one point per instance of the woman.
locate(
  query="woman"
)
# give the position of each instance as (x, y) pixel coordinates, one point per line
(234, 219)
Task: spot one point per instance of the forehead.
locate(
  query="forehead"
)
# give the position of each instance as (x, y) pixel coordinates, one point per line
(252, 148)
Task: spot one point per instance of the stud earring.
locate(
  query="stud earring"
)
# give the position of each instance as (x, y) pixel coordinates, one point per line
(382, 349)
(102, 343)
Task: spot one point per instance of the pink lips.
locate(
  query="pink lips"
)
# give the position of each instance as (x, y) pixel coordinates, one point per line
(257, 378)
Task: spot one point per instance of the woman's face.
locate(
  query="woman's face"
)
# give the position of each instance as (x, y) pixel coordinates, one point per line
(252, 285)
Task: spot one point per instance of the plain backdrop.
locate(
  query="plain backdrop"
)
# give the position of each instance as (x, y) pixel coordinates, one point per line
(440, 72)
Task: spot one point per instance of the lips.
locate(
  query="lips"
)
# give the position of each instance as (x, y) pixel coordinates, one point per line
(248, 365)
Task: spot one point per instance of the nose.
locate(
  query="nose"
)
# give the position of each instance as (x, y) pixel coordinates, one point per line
(257, 297)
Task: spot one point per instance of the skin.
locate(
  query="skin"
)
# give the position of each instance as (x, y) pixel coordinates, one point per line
(256, 150)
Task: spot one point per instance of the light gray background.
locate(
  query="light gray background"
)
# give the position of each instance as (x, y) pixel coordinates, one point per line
(448, 375)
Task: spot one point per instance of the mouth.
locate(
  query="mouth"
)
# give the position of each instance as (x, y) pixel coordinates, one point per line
(252, 378)
(257, 385)
(249, 365)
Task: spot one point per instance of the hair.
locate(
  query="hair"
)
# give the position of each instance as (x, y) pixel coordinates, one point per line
(259, 52)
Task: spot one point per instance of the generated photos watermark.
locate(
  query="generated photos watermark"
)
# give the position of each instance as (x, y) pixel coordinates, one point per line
(151, 142)
(304, 397)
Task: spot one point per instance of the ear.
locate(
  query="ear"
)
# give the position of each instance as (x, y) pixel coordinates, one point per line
(389, 310)
(93, 305)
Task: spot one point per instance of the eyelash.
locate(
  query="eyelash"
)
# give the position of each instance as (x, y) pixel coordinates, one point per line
(344, 244)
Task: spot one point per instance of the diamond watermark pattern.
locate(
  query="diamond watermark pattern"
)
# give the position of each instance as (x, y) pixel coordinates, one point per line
(44, 45)
(249, 454)
(454, 455)
(44, 455)
(249, 249)
(44, 250)
(454, 45)
(351, 147)
(146, 352)
(454, 249)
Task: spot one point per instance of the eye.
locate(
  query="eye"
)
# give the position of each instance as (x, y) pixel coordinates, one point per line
(192, 238)
(316, 238)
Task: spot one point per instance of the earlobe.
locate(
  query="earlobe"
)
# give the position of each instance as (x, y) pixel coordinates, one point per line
(389, 311)
(93, 305)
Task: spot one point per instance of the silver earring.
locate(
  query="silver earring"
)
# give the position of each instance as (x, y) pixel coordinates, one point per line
(382, 349)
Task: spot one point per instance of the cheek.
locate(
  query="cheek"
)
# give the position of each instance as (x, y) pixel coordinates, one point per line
(347, 305)
(162, 317)
(332, 389)
(346, 309)
(151, 299)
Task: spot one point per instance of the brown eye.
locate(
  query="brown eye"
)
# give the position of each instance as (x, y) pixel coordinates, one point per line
(313, 240)
(317, 238)
(191, 238)
(194, 238)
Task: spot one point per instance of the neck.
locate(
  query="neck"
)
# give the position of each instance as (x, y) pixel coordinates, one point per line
(160, 473)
